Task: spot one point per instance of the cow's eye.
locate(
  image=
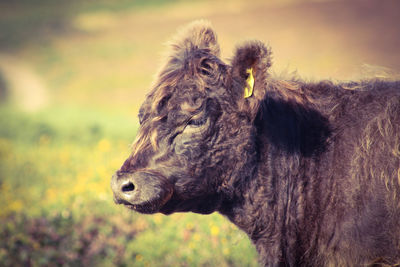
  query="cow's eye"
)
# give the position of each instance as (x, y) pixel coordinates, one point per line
(140, 116)
(197, 122)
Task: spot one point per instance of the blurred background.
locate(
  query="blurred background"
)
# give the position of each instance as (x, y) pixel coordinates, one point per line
(72, 77)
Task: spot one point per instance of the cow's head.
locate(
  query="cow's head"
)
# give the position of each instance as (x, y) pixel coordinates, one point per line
(196, 127)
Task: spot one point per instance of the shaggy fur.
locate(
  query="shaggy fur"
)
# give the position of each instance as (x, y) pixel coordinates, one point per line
(310, 171)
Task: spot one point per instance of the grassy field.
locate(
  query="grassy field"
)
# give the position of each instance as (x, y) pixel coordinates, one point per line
(56, 205)
(72, 77)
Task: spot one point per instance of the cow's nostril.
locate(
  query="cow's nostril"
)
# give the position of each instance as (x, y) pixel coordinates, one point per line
(128, 187)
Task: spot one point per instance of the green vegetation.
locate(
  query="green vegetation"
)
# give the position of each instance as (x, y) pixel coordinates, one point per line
(34, 21)
(56, 205)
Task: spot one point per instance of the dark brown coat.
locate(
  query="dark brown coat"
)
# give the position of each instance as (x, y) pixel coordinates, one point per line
(310, 171)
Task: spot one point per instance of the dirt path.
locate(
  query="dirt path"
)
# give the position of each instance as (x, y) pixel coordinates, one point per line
(24, 86)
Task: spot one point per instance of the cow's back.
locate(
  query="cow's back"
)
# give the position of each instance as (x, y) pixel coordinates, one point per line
(365, 149)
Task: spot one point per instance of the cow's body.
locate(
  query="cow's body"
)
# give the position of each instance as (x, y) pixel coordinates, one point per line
(331, 201)
(310, 171)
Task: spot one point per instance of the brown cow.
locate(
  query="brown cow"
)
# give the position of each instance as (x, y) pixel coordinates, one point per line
(310, 171)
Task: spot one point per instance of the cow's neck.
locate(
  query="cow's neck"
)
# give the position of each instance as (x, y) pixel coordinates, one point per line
(269, 210)
(267, 200)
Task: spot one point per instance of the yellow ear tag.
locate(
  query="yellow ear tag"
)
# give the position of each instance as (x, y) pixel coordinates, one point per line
(248, 91)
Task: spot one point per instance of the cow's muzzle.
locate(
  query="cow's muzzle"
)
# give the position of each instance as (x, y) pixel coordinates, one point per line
(143, 191)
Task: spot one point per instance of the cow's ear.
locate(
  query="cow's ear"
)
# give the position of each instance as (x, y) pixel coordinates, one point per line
(250, 66)
(198, 35)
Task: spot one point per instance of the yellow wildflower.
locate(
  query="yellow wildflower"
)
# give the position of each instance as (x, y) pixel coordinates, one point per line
(104, 145)
(214, 230)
